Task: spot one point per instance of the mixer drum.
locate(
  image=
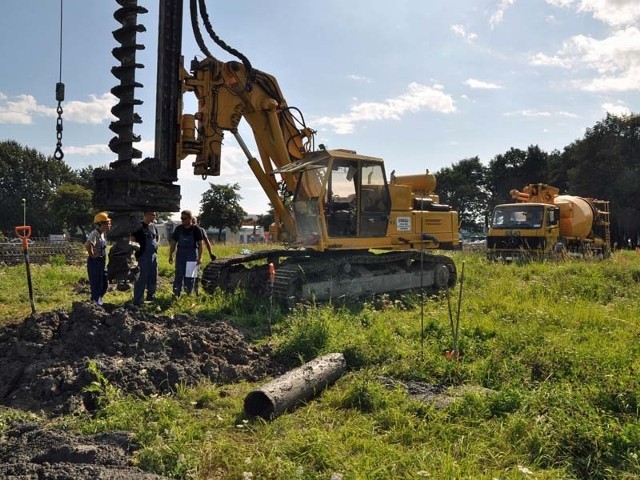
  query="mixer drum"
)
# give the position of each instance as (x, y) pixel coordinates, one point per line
(576, 216)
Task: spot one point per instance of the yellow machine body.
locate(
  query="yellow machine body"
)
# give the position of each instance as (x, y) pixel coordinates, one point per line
(336, 202)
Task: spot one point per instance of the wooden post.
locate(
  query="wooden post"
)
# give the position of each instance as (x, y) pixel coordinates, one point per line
(295, 386)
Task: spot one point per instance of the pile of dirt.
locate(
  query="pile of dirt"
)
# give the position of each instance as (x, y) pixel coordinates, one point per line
(30, 452)
(44, 361)
(45, 366)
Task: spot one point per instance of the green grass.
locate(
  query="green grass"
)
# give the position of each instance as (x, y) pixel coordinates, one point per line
(557, 344)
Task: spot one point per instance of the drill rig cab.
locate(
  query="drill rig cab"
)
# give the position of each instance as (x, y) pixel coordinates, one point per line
(352, 205)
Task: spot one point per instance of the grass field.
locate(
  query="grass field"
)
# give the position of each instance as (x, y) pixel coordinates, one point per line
(552, 351)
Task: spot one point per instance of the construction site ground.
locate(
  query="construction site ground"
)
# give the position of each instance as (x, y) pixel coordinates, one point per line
(45, 368)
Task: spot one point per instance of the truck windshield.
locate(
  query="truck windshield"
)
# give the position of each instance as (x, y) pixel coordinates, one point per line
(518, 216)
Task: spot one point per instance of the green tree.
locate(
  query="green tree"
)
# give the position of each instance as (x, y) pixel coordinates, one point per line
(71, 207)
(27, 174)
(463, 187)
(605, 164)
(265, 220)
(85, 177)
(557, 168)
(220, 208)
(515, 169)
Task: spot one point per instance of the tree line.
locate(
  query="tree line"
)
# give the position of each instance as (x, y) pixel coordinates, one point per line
(58, 198)
(604, 164)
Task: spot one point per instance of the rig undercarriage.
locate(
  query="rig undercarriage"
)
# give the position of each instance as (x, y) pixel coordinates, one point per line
(302, 275)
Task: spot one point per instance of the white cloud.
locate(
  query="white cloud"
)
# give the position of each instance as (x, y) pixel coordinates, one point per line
(147, 147)
(560, 3)
(615, 13)
(617, 110)
(612, 12)
(614, 59)
(460, 31)
(479, 84)
(94, 112)
(538, 113)
(86, 150)
(359, 78)
(24, 108)
(566, 114)
(418, 98)
(234, 169)
(498, 16)
(527, 113)
(540, 59)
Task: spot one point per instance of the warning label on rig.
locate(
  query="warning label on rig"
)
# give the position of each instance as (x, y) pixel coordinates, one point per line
(403, 224)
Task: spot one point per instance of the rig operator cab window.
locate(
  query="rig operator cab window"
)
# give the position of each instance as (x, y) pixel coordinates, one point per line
(352, 195)
(341, 203)
(357, 203)
(306, 201)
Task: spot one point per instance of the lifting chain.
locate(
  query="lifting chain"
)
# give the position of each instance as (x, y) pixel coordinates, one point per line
(59, 155)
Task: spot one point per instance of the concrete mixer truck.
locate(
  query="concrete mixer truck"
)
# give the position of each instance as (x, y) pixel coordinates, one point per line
(544, 224)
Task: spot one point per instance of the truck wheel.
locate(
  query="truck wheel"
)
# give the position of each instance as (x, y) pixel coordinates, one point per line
(559, 250)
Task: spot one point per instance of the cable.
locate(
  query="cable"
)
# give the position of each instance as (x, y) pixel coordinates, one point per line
(193, 10)
(221, 43)
(58, 154)
(60, 53)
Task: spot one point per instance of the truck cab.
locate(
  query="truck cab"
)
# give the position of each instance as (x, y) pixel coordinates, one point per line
(523, 229)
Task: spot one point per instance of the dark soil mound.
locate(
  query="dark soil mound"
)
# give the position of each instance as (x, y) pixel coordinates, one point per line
(31, 452)
(44, 367)
(44, 360)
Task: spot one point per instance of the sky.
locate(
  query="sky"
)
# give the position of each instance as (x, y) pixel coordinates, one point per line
(421, 84)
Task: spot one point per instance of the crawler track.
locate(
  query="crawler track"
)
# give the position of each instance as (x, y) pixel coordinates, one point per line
(308, 275)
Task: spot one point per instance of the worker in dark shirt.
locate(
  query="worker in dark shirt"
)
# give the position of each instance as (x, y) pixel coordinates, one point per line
(186, 243)
(146, 236)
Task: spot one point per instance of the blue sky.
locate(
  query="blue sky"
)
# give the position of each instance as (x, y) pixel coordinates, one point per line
(421, 84)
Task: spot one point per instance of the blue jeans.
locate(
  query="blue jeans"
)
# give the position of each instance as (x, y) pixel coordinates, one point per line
(98, 281)
(147, 277)
(182, 258)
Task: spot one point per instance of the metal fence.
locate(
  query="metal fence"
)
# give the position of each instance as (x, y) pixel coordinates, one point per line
(41, 250)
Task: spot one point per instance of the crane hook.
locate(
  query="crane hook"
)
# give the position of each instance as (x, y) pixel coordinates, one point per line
(58, 154)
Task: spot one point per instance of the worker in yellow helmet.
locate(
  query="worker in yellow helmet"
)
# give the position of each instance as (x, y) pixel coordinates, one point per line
(96, 246)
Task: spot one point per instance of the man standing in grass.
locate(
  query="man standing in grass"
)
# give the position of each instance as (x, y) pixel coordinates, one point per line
(187, 241)
(147, 256)
(96, 246)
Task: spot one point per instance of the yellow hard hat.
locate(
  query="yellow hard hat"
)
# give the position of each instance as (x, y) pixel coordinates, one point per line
(101, 217)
